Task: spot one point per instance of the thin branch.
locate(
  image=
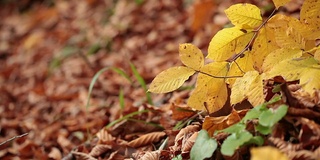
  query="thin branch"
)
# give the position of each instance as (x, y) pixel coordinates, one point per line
(253, 37)
(13, 138)
(218, 76)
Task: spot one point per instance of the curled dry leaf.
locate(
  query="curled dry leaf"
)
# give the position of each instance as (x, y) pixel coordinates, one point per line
(304, 112)
(302, 154)
(83, 156)
(146, 139)
(104, 136)
(154, 155)
(284, 146)
(310, 133)
(180, 112)
(99, 149)
(187, 130)
(187, 145)
(212, 124)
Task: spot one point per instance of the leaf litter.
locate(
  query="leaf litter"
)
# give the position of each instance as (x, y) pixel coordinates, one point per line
(46, 71)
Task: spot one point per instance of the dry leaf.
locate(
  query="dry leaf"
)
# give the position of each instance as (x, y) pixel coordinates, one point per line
(145, 139)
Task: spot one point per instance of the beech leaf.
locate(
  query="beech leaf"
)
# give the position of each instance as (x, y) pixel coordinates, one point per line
(244, 15)
(279, 55)
(227, 42)
(191, 56)
(279, 3)
(170, 79)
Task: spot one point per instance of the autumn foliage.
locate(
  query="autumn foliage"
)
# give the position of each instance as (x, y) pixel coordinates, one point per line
(247, 56)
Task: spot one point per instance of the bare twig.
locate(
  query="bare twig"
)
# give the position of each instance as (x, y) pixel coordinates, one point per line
(13, 138)
(253, 37)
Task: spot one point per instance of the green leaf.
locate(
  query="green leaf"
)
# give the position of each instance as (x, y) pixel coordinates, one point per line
(121, 99)
(235, 128)
(269, 118)
(203, 147)
(258, 140)
(234, 141)
(263, 130)
(178, 157)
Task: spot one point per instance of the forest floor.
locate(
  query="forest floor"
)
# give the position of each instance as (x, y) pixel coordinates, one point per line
(51, 50)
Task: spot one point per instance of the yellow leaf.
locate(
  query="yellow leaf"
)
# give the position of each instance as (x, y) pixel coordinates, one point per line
(286, 33)
(267, 153)
(264, 44)
(210, 93)
(279, 3)
(308, 31)
(240, 88)
(240, 66)
(255, 94)
(244, 15)
(310, 12)
(317, 55)
(227, 42)
(309, 16)
(170, 79)
(191, 56)
(305, 69)
(279, 55)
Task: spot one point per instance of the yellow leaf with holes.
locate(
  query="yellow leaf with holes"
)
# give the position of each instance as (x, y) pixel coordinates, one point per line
(240, 66)
(191, 56)
(249, 86)
(310, 13)
(210, 93)
(244, 15)
(267, 153)
(264, 44)
(279, 3)
(286, 32)
(228, 42)
(307, 70)
(279, 55)
(170, 79)
(310, 17)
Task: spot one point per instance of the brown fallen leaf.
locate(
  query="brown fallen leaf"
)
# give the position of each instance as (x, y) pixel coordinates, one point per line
(212, 124)
(145, 139)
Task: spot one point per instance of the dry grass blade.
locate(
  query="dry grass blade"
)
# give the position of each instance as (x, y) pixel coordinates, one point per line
(146, 139)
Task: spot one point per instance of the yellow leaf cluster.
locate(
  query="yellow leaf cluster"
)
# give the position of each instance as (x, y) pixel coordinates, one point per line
(283, 46)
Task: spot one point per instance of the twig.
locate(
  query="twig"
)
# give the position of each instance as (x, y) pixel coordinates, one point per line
(253, 37)
(13, 138)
